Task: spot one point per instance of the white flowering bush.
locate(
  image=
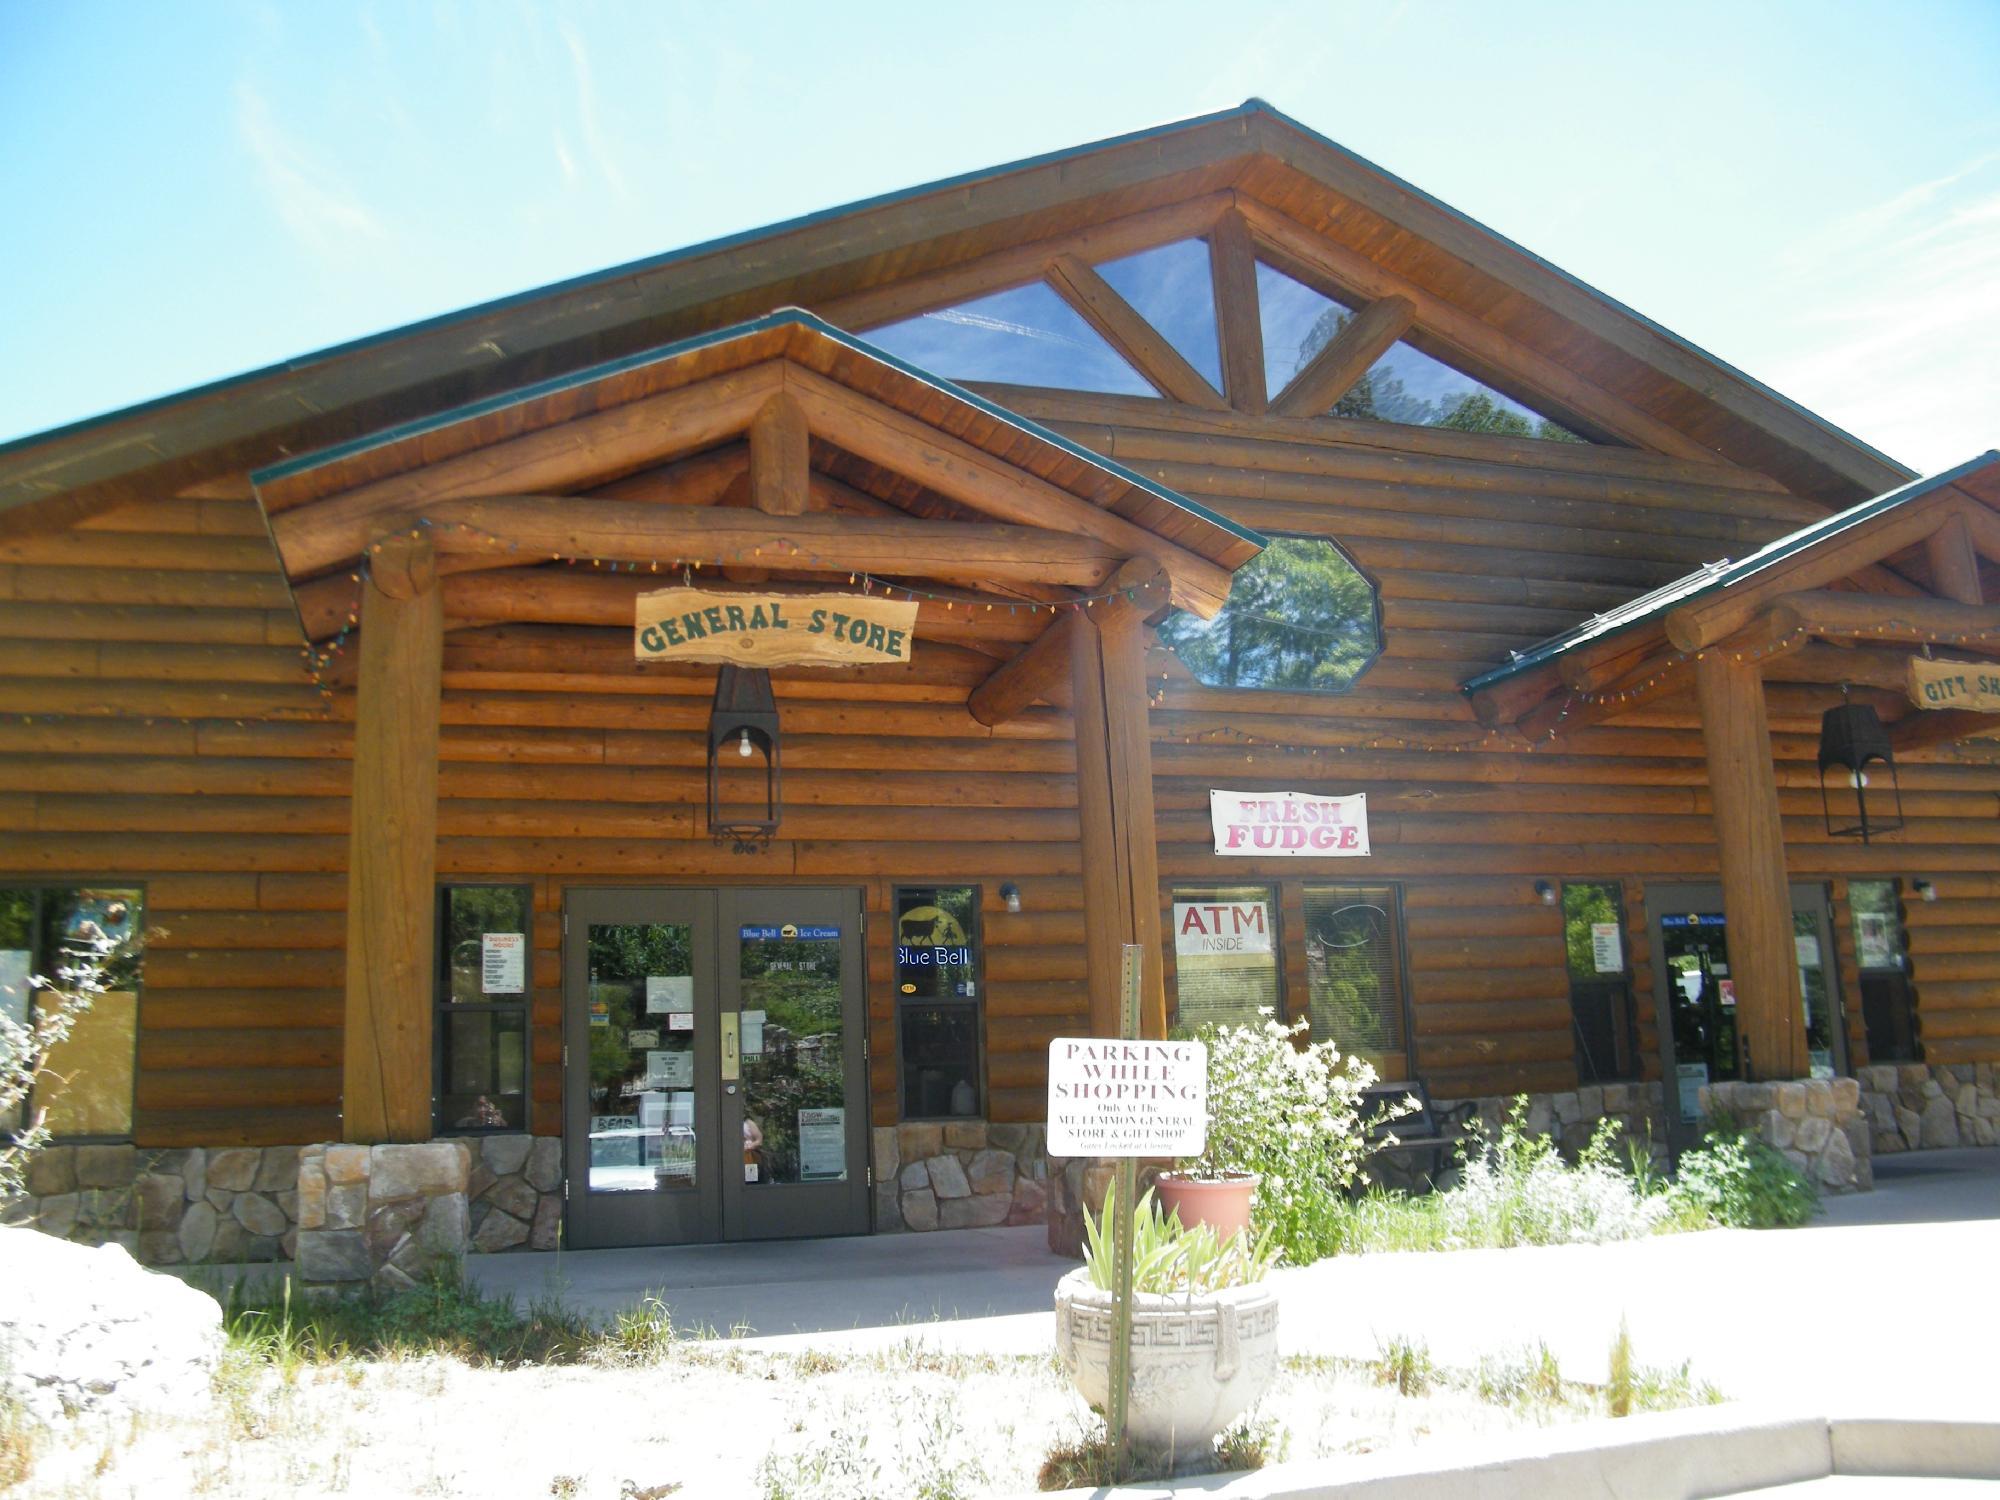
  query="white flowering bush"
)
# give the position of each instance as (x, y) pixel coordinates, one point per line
(1289, 1111)
(25, 1046)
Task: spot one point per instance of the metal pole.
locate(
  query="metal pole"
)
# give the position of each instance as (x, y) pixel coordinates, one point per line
(1121, 1230)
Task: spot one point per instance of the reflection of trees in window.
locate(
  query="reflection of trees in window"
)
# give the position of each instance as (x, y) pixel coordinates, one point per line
(1584, 905)
(1353, 977)
(1464, 404)
(1300, 617)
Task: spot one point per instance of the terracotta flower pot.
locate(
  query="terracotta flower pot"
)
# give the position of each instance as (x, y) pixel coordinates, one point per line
(1221, 1203)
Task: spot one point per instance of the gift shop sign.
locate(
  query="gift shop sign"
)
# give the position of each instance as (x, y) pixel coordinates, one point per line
(1970, 685)
(1115, 1098)
(1292, 823)
(773, 630)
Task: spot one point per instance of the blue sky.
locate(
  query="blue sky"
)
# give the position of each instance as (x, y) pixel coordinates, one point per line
(1810, 191)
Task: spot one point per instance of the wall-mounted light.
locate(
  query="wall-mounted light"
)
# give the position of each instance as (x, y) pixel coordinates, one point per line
(1545, 892)
(1011, 894)
(1852, 738)
(1925, 889)
(743, 711)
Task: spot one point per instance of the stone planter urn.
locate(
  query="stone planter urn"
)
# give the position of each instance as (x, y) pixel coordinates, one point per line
(1199, 1361)
(1222, 1203)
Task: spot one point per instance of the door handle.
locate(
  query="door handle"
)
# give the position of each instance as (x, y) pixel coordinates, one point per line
(731, 1053)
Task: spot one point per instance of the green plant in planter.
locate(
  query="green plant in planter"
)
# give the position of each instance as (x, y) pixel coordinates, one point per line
(1289, 1111)
(1169, 1258)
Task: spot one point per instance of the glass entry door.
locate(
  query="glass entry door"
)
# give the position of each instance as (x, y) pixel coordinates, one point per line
(1694, 988)
(716, 1065)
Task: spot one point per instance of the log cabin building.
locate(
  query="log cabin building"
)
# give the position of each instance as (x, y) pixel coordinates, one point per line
(643, 713)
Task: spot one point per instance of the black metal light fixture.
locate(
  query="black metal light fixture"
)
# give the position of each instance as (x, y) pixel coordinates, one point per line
(742, 722)
(1852, 738)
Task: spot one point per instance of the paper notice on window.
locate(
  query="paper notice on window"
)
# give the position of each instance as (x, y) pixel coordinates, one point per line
(639, 1041)
(667, 993)
(753, 1033)
(503, 963)
(1607, 950)
(1725, 991)
(1690, 1077)
(669, 1070)
(1808, 947)
(14, 969)
(822, 1145)
(1877, 948)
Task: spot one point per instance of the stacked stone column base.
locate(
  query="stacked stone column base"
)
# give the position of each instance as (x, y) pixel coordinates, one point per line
(1816, 1122)
(383, 1217)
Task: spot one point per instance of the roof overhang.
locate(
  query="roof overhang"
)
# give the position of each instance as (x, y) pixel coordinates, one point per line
(1844, 578)
(556, 460)
(1253, 153)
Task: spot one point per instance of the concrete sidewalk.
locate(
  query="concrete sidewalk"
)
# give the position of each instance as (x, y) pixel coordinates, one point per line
(1898, 1289)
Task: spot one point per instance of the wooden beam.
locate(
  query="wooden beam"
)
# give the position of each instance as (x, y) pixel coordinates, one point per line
(959, 471)
(392, 851)
(1954, 565)
(314, 537)
(1295, 248)
(1238, 322)
(627, 531)
(780, 458)
(1878, 617)
(1041, 670)
(1143, 346)
(1837, 664)
(1750, 847)
(1941, 726)
(1333, 371)
(1121, 883)
(1706, 621)
(1570, 709)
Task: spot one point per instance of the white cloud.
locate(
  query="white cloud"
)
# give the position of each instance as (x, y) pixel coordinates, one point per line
(595, 143)
(1894, 330)
(321, 213)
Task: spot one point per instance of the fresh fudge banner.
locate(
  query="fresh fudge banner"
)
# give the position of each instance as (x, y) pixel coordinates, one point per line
(1290, 823)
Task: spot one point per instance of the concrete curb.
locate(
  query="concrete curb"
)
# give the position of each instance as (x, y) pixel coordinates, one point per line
(1682, 1455)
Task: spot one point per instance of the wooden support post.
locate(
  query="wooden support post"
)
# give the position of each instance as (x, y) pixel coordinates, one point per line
(1141, 345)
(1039, 671)
(780, 458)
(392, 853)
(1121, 876)
(1346, 358)
(1233, 268)
(1954, 565)
(1756, 896)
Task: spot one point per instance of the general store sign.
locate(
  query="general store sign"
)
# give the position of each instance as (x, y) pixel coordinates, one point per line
(1289, 823)
(1127, 1098)
(773, 630)
(1973, 685)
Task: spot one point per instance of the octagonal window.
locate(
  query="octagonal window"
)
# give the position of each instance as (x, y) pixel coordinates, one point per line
(1301, 618)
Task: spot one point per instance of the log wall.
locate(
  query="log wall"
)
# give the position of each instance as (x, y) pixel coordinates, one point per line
(157, 723)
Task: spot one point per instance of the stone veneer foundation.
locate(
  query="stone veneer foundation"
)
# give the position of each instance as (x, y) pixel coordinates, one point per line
(958, 1174)
(1816, 1122)
(1923, 1106)
(230, 1204)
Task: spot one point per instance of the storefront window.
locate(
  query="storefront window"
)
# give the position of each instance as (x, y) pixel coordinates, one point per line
(1888, 1012)
(51, 933)
(938, 996)
(484, 988)
(1354, 971)
(1226, 949)
(1600, 991)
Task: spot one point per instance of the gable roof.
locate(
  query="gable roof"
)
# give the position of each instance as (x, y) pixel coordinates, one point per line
(1258, 157)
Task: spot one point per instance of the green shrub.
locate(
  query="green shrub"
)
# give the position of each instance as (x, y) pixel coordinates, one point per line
(1739, 1180)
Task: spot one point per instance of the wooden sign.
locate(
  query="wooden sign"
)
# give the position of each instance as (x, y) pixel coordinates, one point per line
(1971, 685)
(1292, 823)
(773, 630)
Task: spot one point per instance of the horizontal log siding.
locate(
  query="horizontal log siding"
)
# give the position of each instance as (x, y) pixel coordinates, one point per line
(155, 724)
(1475, 556)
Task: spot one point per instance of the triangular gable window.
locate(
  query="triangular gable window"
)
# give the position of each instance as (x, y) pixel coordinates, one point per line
(1026, 336)
(1171, 287)
(1407, 385)
(1298, 323)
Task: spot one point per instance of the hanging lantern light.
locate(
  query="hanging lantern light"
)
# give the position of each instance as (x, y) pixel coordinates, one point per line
(1851, 738)
(743, 720)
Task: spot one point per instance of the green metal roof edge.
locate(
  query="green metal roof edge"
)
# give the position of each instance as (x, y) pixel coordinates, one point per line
(629, 268)
(793, 317)
(1715, 576)
(1255, 105)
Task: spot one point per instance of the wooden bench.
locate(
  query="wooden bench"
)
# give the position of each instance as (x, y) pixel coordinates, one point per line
(1427, 1137)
